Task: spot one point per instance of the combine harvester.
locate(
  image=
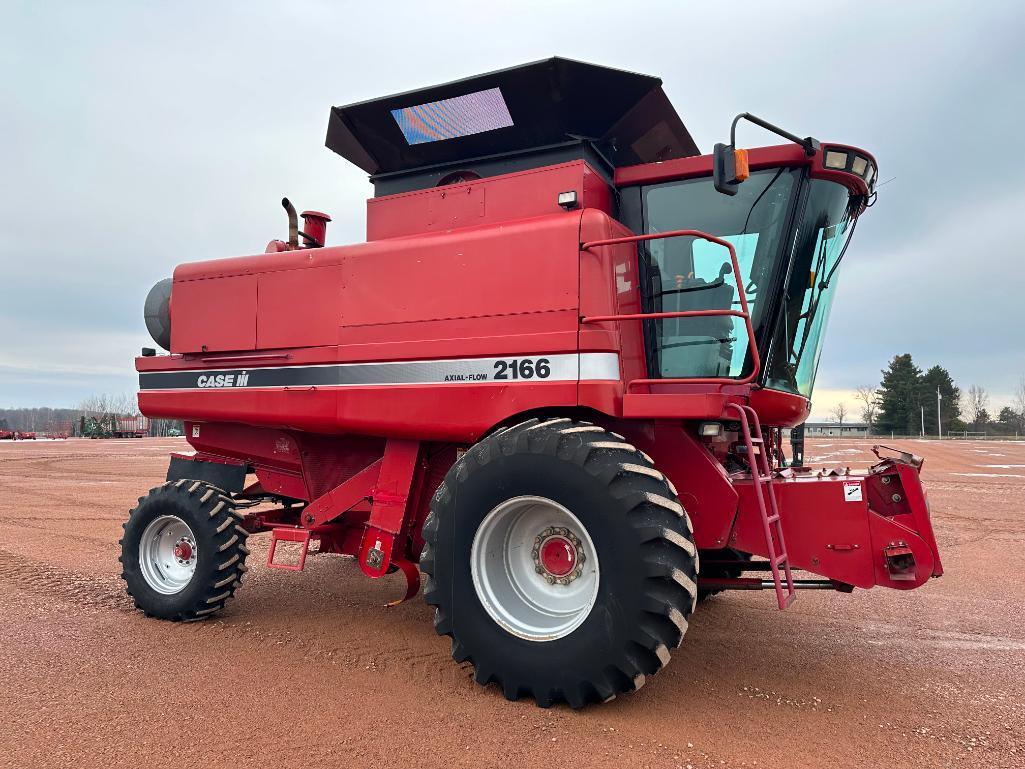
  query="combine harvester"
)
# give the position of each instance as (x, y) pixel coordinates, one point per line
(556, 377)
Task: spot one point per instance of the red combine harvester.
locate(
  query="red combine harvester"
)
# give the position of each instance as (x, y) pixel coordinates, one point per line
(555, 376)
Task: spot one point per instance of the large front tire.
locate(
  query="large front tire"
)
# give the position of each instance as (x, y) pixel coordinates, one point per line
(183, 552)
(560, 562)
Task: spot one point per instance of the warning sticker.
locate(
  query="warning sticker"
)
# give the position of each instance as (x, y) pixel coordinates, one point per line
(852, 491)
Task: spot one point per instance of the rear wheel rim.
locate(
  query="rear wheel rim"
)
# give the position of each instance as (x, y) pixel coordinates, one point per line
(168, 554)
(535, 568)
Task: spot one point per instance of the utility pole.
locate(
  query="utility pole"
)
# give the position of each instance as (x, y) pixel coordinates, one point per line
(939, 418)
(923, 421)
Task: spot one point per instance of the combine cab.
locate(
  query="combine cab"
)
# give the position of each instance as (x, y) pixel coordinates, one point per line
(554, 379)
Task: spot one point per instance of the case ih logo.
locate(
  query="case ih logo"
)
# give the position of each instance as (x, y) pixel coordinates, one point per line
(223, 380)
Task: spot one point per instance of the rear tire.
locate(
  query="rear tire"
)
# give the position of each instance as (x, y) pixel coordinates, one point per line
(183, 552)
(526, 616)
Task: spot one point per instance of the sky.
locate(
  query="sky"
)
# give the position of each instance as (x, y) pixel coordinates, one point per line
(136, 136)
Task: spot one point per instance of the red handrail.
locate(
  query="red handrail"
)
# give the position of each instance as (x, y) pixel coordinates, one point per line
(744, 312)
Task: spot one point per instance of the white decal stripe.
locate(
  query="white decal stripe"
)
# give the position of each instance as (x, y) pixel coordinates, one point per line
(599, 366)
(562, 367)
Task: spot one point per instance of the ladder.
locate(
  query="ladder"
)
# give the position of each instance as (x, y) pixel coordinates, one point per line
(761, 481)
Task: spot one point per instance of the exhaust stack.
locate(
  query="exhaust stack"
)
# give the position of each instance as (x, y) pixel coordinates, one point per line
(293, 224)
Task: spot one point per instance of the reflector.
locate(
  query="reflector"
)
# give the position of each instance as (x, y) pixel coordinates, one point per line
(742, 169)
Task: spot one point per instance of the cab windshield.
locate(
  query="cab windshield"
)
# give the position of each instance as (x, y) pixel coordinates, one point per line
(788, 273)
(684, 274)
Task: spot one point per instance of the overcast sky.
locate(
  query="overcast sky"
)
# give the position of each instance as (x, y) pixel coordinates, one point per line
(135, 136)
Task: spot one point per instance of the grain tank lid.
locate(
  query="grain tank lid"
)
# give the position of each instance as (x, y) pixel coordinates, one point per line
(626, 115)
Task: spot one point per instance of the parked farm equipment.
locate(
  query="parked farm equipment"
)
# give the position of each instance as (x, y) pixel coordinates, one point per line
(59, 430)
(114, 426)
(17, 435)
(555, 377)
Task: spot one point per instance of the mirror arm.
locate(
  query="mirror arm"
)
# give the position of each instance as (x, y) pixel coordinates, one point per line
(810, 145)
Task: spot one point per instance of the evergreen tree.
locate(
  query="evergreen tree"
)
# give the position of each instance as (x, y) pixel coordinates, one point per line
(1010, 420)
(900, 395)
(950, 407)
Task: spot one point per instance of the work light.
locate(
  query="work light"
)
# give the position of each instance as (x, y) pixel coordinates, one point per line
(836, 159)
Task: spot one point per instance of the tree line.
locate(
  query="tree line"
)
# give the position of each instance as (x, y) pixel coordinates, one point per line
(909, 400)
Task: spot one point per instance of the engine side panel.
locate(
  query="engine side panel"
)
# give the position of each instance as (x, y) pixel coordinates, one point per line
(437, 337)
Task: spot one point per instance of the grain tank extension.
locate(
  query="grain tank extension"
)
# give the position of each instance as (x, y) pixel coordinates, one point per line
(554, 380)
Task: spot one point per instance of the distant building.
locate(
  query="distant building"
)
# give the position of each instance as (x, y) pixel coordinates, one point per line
(836, 430)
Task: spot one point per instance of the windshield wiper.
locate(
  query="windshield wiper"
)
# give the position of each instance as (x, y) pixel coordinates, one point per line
(813, 305)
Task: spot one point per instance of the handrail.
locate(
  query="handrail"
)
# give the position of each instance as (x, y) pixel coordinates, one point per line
(744, 312)
(254, 358)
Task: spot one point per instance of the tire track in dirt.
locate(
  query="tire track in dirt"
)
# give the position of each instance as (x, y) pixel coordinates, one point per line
(44, 526)
(107, 592)
(394, 659)
(87, 590)
(69, 499)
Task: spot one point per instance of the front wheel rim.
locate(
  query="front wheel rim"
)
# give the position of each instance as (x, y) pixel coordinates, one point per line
(535, 568)
(168, 554)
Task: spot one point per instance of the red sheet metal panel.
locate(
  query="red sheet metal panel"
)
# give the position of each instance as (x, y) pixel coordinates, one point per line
(299, 308)
(523, 267)
(216, 314)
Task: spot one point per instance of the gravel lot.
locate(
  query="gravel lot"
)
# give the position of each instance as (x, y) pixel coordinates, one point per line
(308, 670)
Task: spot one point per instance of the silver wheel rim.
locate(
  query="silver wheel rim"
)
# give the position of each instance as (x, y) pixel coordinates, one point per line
(513, 583)
(168, 554)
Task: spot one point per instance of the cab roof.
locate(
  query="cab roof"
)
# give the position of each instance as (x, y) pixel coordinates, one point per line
(625, 117)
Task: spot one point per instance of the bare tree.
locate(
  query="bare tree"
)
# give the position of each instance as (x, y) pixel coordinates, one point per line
(869, 397)
(125, 404)
(977, 403)
(103, 405)
(1018, 401)
(103, 410)
(839, 412)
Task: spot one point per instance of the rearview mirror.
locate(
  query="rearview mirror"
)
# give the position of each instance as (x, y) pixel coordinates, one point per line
(729, 168)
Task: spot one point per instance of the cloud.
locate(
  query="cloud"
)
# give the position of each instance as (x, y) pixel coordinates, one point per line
(951, 296)
(146, 135)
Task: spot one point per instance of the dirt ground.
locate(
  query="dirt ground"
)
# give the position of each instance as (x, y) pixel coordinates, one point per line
(308, 670)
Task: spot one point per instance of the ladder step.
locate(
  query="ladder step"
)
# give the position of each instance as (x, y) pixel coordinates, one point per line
(761, 477)
(283, 534)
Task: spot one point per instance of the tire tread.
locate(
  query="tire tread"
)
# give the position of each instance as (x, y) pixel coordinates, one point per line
(218, 512)
(652, 510)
